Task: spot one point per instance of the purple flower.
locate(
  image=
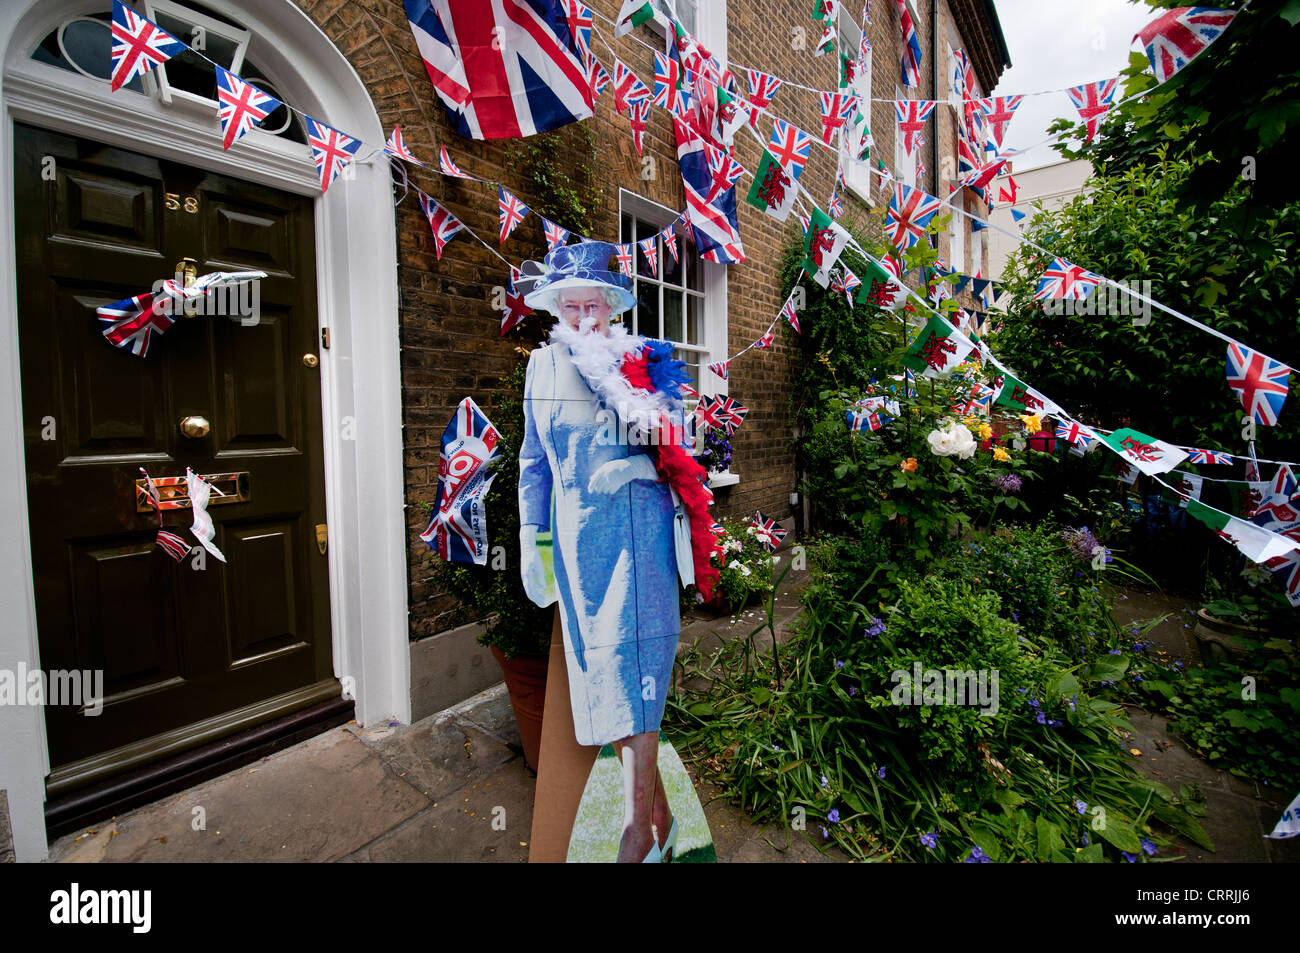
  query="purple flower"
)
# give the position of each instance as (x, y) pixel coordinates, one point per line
(977, 856)
(839, 664)
(881, 774)
(825, 833)
(931, 840)
(825, 781)
(1148, 847)
(833, 816)
(1041, 719)
(1032, 702)
(1086, 840)
(1008, 483)
(853, 690)
(1081, 807)
(1081, 543)
(1073, 702)
(1131, 858)
(877, 627)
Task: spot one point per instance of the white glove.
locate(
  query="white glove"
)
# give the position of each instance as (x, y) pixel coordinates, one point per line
(531, 569)
(614, 474)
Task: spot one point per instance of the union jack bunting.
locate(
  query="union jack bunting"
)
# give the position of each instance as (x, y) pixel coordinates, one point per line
(1074, 432)
(1010, 196)
(442, 223)
(597, 76)
(627, 88)
(1210, 456)
(580, 22)
(448, 167)
(650, 249)
(133, 322)
(241, 106)
(909, 213)
(639, 113)
(1286, 570)
(1177, 37)
(845, 282)
(980, 178)
(911, 59)
(860, 420)
(687, 391)
(469, 447)
(1064, 280)
(668, 93)
(1276, 512)
(762, 87)
(396, 146)
(669, 236)
(174, 546)
(834, 109)
(1093, 100)
(976, 402)
(790, 146)
(512, 212)
(718, 529)
(835, 206)
(720, 368)
(999, 111)
(331, 149)
(766, 341)
(730, 414)
(714, 226)
(626, 259)
(767, 531)
(555, 235)
(1259, 381)
(138, 45)
(791, 313)
(515, 310)
(912, 115)
(706, 413)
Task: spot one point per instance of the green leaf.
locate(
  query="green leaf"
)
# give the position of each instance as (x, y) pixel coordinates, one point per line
(1049, 838)
(703, 709)
(1120, 835)
(1108, 668)
(1291, 12)
(1067, 684)
(761, 695)
(1091, 855)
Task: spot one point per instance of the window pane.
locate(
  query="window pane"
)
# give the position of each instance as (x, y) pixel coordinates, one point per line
(694, 321)
(672, 270)
(647, 309)
(694, 275)
(692, 361)
(626, 231)
(672, 315)
(189, 71)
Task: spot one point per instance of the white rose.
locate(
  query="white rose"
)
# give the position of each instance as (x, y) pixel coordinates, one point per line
(954, 440)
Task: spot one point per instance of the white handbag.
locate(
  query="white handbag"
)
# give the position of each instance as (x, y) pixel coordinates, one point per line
(682, 540)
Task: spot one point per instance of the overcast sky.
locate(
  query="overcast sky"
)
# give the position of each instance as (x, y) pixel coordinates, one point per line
(1055, 44)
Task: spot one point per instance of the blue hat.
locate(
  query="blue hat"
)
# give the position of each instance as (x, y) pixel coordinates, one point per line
(584, 265)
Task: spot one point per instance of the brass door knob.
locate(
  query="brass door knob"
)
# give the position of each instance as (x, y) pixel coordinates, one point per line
(311, 360)
(195, 427)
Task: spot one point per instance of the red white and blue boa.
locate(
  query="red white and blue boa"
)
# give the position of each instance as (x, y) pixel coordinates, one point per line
(639, 381)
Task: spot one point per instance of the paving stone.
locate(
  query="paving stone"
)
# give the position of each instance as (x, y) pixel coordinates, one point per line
(441, 754)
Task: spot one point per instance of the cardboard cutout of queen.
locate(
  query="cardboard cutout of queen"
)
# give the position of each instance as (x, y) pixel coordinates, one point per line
(596, 403)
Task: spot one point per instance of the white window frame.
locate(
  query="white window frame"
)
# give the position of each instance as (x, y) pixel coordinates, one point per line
(957, 243)
(857, 174)
(157, 77)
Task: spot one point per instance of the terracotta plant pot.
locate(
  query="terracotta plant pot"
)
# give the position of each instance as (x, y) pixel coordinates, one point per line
(525, 677)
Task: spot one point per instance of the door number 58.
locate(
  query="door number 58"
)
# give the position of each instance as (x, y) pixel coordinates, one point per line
(174, 202)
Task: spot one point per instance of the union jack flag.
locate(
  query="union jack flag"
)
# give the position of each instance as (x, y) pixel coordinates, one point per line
(1075, 433)
(999, 111)
(580, 22)
(791, 313)
(835, 206)
(515, 310)
(1286, 570)
(512, 211)
(626, 259)
(396, 146)
(766, 341)
(790, 146)
(845, 282)
(977, 401)
(980, 178)
(668, 93)
(331, 149)
(860, 420)
(650, 249)
(1064, 280)
(640, 112)
(1210, 456)
(686, 390)
(1177, 37)
(912, 115)
(1093, 100)
(669, 235)
(133, 322)
(448, 167)
(726, 170)
(767, 531)
(1276, 512)
(138, 45)
(715, 228)
(242, 105)
(836, 109)
(1009, 196)
(174, 546)
(762, 87)
(442, 223)
(597, 76)
(911, 59)
(730, 413)
(1259, 381)
(909, 213)
(720, 368)
(627, 88)
(706, 413)
(555, 235)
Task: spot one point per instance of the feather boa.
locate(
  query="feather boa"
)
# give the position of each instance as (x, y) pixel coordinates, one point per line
(639, 380)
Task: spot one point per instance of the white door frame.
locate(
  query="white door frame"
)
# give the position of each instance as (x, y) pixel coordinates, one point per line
(356, 268)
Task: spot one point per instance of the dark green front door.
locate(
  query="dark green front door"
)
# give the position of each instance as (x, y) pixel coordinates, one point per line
(187, 653)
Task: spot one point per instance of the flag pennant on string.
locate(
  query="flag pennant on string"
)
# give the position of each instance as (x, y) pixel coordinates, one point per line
(555, 235)
(720, 368)
(1260, 382)
(824, 10)
(627, 88)
(512, 212)
(626, 258)
(580, 22)
(669, 236)
(762, 87)
(650, 249)
(833, 114)
(845, 282)
(1148, 454)
(331, 149)
(766, 342)
(1178, 36)
(827, 41)
(1286, 570)
(714, 226)
(442, 223)
(726, 170)
(1210, 457)
(1022, 398)
(668, 92)
(730, 414)
(449, 167)
(938, 348)
(980, 178)
(772, 190)
(1018, 217)
(515, 309)
(1186, 486)
(1279, 509)
(910, 66)
(912, 115)
(1076, 433)
(790, 146)
(1093, 100)
(706, 413)
(632, 14)
(790, 312)
(396, 146)
(835, 206)
(1064, 280)
(883, 286)
(1008, 193)
(823, 244)
(998, 111)
(909, 214)
(1257, 544)
(202, 527)
(767, 531)
(975, 402)
(139, 45)
(638, 115)
(598, 78)
(241, 106)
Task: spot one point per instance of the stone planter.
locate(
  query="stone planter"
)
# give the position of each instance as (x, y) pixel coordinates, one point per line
(1218, 640)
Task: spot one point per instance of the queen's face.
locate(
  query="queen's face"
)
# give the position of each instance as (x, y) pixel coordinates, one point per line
(578, 304)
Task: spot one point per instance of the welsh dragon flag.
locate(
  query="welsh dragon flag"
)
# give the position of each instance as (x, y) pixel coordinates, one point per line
(824, 241)
(632, 15)
(882, 288)
(773, 190)
(937, 349)
(1258, 545)
(1023, 399)
(1148, 454)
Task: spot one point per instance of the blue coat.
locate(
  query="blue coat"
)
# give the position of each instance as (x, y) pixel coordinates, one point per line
(615, 568)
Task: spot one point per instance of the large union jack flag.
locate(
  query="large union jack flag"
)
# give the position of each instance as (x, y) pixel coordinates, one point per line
(790, 146)
(1064, 280)
(911, 59)
(1177, 37)
(331, 149)
(767, 531)
(138, 45)
(1209, 456)
(133, 322)
(1093, 100)
(714, 225)
(512, 211)
(912, 115)
(999, 111)
(396, 146)
(504, 69)
(442, 223)
(242, 106)
(1259, 381)
(909, 213)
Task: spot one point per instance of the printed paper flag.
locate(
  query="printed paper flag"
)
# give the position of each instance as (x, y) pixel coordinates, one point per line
(1008, 193)
(555, 235)
(513, 212)
(860, 420)
(1148, 454)
(937, 349)
(650, 249)
(823, 245)
(638, 115)
(174, 546)
(331, 149)
(767, 531)
(835, 108)
(772, 190)
(1093, 100)
(626, 259)
(790, 312)
(202, 528)
(1187, 486)
(911, 58)
(515, 310)
(1259, 382)
(1022, 398)
(139, 45)
(1210, 456)
(998, 111)
(1177, 37)
(1279, 509)
(669, 236)
(721, 368)
(1286, 570)
(396, 146)
(632, 14)
(765, 342)
(580, 22)
(762, 87)
(1018, 217)
(1064, 280)
(912, 115)
(442, 223)
(714, 226)
(1289, 824)
(134, 322)
(883, 286)
(790, 146)
(824, 9)
(458, 529)
(241, 106)
(627, 88)
(1074, 432)
(1257, 544)
(448, 167)
(909, 214)
(598, 78)
(730, 414)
